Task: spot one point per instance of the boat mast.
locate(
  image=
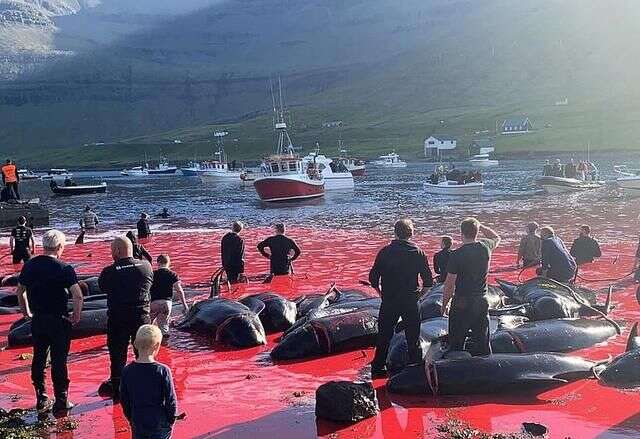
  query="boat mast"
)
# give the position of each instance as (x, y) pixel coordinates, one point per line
(220, 135)
(285, 145)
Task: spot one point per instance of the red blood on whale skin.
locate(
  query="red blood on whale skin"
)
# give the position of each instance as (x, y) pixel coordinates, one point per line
(230, 393)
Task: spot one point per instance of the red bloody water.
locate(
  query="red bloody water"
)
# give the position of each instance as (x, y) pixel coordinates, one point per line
(230, 393)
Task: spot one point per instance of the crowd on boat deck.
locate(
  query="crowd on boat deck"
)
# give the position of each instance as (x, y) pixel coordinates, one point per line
(461, 177)
(140, 300)
(580, 171)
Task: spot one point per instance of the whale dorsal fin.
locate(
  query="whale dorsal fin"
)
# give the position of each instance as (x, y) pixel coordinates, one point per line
(633, 342)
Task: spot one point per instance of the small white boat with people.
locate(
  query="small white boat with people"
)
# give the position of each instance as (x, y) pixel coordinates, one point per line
(628, 179)
(390, 161)
(336, 175)
(57, 175)
(570, 177)
(356, 166)
(454, 182)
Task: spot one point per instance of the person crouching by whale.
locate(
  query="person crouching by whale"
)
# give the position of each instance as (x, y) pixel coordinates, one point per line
(441, 259)
(395, 276)
(282, 251)
(557, 263)
(127, 284)
(466, 287)
(43, 292)
(147, 393)
(165, 283)
(232, 252)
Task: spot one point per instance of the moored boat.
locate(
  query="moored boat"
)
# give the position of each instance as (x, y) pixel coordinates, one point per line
(483, 161)
(628, 179)
(390, 161)
(136, 171)
(163, 168)
(78, 189)
(453, 188)
(220, 168)
(26, 174)
(57, 175)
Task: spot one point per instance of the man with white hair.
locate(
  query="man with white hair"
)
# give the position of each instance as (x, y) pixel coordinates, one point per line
(127, 284)
(43, 293)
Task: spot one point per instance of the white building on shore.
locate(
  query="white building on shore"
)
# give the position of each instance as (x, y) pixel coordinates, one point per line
(437, 147)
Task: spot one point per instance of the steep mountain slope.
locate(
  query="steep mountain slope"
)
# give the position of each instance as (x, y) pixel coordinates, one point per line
(393, 71)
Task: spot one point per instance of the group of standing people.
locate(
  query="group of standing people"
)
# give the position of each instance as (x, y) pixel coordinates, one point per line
(580, 170)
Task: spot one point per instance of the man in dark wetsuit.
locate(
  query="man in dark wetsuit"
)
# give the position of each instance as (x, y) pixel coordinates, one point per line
(585, 249)
(43, 291)
(441, 259)
(466, 287)
(21, 242)
(282, 251)
(232, 250)
(144, 231)
(395, 276)
(127, 284)
(557, 263)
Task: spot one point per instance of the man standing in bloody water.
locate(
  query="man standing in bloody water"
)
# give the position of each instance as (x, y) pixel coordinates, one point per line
(11, 178)
(232, 249)
(395, 276)
(127, 284)
(21, 242)
(466, 287)
(282, 251)
(144, 231)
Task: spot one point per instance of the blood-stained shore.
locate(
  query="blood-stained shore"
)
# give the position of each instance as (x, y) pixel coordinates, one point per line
(229, 393)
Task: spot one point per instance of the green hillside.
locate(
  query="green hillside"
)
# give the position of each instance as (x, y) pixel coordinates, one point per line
(393, 72)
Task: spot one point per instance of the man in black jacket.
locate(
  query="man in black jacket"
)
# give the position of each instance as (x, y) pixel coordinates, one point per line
(127, 284)
(395, 276)
(441, 259)
(282, 251)
(585, 249)
(144, 231)
(232, 249)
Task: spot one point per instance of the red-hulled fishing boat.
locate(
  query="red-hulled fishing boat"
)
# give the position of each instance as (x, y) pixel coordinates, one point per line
(284, 176)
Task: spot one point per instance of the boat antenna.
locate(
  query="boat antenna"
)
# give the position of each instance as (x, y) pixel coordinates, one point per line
(285, 145)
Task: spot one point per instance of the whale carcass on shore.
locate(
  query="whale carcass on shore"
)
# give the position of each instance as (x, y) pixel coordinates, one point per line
(279, 313)
(351, 322)
(228, 321)
(624, 370)
(496, 373)
(548, 299)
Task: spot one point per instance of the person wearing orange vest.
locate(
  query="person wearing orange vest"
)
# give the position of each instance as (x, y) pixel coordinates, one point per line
(10, 177)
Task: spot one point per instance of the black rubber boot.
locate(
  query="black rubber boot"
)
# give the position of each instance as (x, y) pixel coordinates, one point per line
(110, 389)
(62, 405)
(43, 403)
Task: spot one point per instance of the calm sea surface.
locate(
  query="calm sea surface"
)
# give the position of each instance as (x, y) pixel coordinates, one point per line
(510, 199)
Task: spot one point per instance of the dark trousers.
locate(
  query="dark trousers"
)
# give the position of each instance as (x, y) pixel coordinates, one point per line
(394, 307)
(160, 433)
(21, 255)
(233, 274)
(469, 317)
(50, 334)
(14, 188)
(120, 332)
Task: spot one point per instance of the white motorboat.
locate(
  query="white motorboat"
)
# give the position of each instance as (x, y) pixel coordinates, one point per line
(336, 175)
(220, 168)
(163, 168)
(555, 184)
(483, 161)
(390, 161)
(628, 179)
(57, 175)
(561, 185)
(26, 174)
(136, 171)
(453, 188)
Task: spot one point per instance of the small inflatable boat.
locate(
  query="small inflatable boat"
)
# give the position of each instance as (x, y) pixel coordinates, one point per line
(561, 185)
